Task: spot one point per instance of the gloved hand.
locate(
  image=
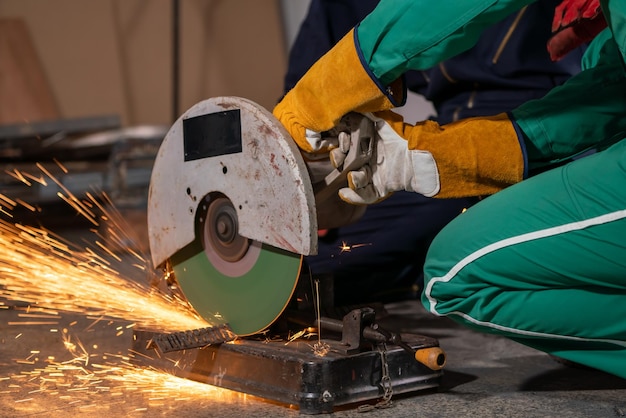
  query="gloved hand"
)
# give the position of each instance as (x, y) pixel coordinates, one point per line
(334, 86)
(472, 157)
(392, 167)
(575, 22)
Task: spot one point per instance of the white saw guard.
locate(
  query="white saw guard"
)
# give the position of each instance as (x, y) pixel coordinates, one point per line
(268, 184)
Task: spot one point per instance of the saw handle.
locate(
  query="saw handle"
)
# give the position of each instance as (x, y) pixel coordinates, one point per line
(362, 136)
(332, 212)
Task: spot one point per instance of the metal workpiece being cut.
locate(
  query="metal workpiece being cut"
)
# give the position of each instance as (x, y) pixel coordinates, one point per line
(233, 207)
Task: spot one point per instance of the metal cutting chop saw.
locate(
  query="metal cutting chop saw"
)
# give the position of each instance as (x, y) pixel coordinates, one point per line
(233, 207)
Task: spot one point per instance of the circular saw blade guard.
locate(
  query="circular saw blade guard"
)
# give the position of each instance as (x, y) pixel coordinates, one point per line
(231, 146)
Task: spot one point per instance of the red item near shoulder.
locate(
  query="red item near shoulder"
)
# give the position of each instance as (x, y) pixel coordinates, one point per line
(575, 22)
(573, 11)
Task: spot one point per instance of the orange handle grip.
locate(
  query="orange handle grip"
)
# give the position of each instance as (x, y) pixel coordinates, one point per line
(432, 357)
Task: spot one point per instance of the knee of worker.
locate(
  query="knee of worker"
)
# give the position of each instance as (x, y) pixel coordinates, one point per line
(453, 280)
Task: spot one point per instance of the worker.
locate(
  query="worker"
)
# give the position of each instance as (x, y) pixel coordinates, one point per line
(542, 259)
(380, 258)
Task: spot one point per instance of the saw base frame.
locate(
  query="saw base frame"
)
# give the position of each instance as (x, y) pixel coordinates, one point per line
(357, 366)
(292, 374)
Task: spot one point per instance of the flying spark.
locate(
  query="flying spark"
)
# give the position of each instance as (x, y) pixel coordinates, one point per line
(345, 248)
(47, 271)
(101, 382)
(44, 276)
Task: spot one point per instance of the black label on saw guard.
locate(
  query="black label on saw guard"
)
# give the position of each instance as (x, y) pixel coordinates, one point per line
(212, 135)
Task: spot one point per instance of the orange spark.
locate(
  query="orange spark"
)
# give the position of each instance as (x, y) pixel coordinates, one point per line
(99, 381)
(344, 247)
(43, 269)
(102, 280)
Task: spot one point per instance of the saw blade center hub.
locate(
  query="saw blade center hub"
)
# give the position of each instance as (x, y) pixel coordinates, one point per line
(221, 231)
(226, 227)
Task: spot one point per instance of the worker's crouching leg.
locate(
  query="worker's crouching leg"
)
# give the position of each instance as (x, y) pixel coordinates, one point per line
(542, 263)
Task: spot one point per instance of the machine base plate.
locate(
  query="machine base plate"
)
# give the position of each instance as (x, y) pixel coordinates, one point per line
(292, 373)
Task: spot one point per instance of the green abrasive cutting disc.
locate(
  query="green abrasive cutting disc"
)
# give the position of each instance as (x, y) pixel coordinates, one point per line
(230, 279)
(249, 303)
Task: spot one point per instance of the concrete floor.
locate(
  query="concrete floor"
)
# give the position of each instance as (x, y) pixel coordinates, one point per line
(485, 376)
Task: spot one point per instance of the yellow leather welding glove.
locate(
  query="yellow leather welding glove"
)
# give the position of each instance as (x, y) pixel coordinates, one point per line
(473, 157)
(335, 85)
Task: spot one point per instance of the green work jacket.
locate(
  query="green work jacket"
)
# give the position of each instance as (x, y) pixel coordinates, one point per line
(587, 112)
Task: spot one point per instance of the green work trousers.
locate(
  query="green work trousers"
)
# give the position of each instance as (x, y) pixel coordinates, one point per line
(543, 263)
